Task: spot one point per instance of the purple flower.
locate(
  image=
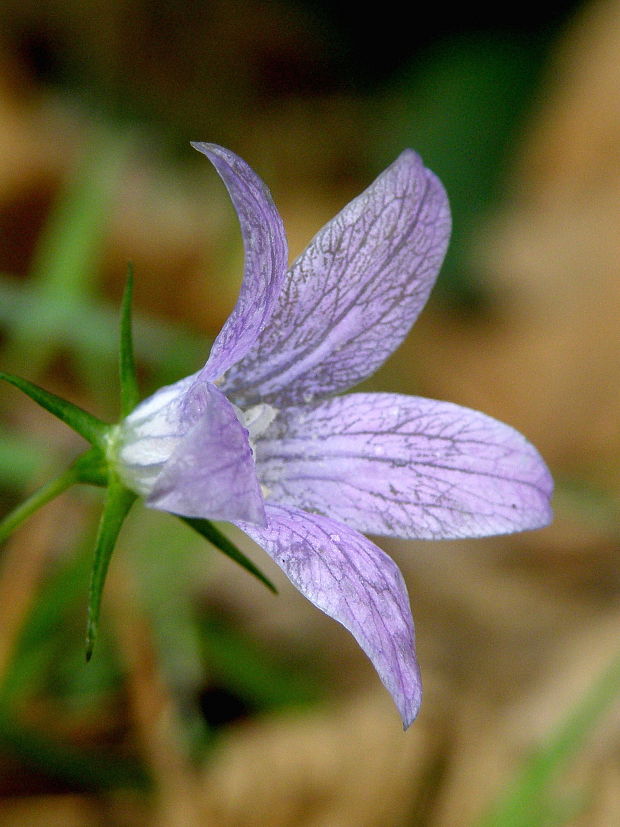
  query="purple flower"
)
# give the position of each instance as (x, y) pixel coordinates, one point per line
(258, 438)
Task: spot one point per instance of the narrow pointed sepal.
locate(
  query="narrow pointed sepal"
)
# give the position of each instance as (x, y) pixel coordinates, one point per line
(130, 394)
(117, 504)
(211, 533)
(93, 430)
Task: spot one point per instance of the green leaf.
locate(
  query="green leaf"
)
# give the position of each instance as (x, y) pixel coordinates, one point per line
(470, 93)
(221, 542)
(130, 394)
(94, 430)
(117, 504)
(47, 629)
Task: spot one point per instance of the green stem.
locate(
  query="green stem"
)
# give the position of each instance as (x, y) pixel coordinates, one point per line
(88, 468)
(37, 499)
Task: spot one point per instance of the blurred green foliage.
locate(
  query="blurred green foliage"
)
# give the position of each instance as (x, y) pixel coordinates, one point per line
(461, 106)
(531, 799)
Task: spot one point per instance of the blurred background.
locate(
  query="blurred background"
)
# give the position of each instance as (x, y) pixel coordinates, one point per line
(209, 700)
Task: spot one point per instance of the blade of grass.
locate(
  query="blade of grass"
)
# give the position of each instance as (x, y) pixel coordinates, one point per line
(65, 262)
(262, 676)
(60, 597)
(87, 770)
(40, 497)
(66, 258)
(526, 803)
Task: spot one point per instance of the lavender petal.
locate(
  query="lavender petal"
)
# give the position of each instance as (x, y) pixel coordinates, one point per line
(354, 582)
(211, 473)
(404, 466)
(150, 434)
(352, 296)
(266, 258)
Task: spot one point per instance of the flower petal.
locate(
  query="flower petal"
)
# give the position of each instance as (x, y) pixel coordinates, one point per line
(266, 258)
(353, 581)
(352, 297)
(151, 433)
(211, 473)
(406, 467)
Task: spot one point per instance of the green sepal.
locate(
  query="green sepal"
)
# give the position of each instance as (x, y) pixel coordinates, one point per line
(130, 394)
(221, 542)
(118, 501)
(94, 430)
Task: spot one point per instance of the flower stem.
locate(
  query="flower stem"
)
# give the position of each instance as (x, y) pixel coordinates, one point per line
(38, 498)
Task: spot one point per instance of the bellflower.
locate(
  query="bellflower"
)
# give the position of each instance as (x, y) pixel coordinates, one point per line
(258, 438)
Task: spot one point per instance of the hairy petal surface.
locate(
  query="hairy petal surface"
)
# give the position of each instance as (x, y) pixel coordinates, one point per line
(211, 473)
(405, 467)
(354, 582)
(266, 259)
(352, 296)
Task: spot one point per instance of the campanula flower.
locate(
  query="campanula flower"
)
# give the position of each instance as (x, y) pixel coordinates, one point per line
(258, 436)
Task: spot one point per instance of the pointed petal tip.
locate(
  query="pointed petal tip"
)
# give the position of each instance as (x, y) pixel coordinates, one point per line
(408, 718)
(228, 165)
(210, 149)
(409, 708)
(266, 257)
(409, 157)
(353, 581)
